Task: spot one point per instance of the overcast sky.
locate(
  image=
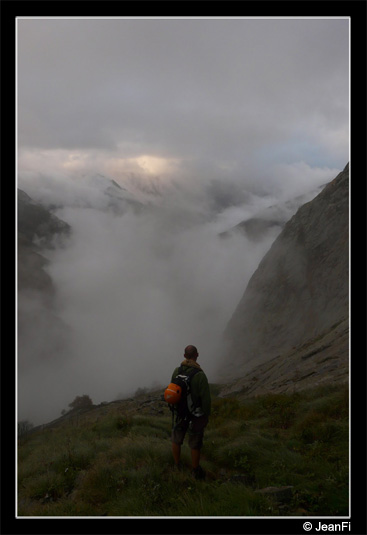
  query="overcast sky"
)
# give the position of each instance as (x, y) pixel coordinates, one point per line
(240, 99)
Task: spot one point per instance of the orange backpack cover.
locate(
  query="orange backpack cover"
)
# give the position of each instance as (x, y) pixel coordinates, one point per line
(172, 394)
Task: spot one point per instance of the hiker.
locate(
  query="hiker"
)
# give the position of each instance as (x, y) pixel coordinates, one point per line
(196, 421)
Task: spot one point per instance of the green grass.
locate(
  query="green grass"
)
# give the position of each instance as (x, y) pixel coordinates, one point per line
(118, 464)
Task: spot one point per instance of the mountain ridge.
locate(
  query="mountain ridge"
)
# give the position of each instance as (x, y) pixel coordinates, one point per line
(301, 286)
(274, 216)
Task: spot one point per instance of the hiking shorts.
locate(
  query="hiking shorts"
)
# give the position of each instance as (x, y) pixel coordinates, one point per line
(195, 428)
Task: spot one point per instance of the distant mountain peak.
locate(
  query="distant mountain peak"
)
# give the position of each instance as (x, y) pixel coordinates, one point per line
(272, 217)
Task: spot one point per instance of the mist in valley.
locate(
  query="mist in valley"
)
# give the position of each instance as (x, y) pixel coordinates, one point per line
(132, 289)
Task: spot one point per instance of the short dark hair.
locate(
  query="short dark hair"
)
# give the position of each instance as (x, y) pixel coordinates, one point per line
(191, 352)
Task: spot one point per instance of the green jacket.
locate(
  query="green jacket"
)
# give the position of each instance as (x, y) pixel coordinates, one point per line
(200, 391)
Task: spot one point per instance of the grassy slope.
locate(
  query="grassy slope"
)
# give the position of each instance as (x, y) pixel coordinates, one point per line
(116, 460)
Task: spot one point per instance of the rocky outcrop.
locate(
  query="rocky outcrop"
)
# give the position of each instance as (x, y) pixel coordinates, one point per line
(41, 334)
(38, 230)
(300, 289)
(322, 360)
(37, 224)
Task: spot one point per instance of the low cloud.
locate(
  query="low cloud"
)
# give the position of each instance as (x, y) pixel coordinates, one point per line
(132, 290)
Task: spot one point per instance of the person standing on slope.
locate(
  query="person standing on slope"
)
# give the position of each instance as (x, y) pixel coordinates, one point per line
(198, 419)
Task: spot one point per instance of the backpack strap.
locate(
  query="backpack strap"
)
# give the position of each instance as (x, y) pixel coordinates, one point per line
(193, 372)
(189, 373)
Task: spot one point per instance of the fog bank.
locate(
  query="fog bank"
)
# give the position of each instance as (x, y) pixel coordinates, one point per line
(133, 289)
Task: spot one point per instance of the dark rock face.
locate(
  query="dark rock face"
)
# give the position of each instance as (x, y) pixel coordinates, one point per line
(38, 229)
(37, 223)
(41, 334)
(301, 287)
(321, 360)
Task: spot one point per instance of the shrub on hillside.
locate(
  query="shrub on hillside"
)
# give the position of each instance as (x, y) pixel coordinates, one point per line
(80, 402)
(23, 427)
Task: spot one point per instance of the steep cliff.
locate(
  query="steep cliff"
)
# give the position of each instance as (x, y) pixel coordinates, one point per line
(38, 228)
(41, 333)
(300, 289)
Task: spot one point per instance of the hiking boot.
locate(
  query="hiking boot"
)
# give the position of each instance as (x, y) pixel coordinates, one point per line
(198, 473)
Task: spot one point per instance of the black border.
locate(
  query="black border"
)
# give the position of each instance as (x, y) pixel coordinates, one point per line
(356, 10)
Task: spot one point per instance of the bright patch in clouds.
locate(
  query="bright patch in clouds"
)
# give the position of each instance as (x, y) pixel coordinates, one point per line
(153, 165)
(77, 163)
(145, 167)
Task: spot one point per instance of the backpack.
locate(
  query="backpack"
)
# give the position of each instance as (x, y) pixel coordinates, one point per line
(178, 393)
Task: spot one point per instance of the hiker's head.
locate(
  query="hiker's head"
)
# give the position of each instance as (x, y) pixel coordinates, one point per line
(191, 352)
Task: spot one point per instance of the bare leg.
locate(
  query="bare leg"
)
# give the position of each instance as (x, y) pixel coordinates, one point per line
(195, 458)
(176, 451)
